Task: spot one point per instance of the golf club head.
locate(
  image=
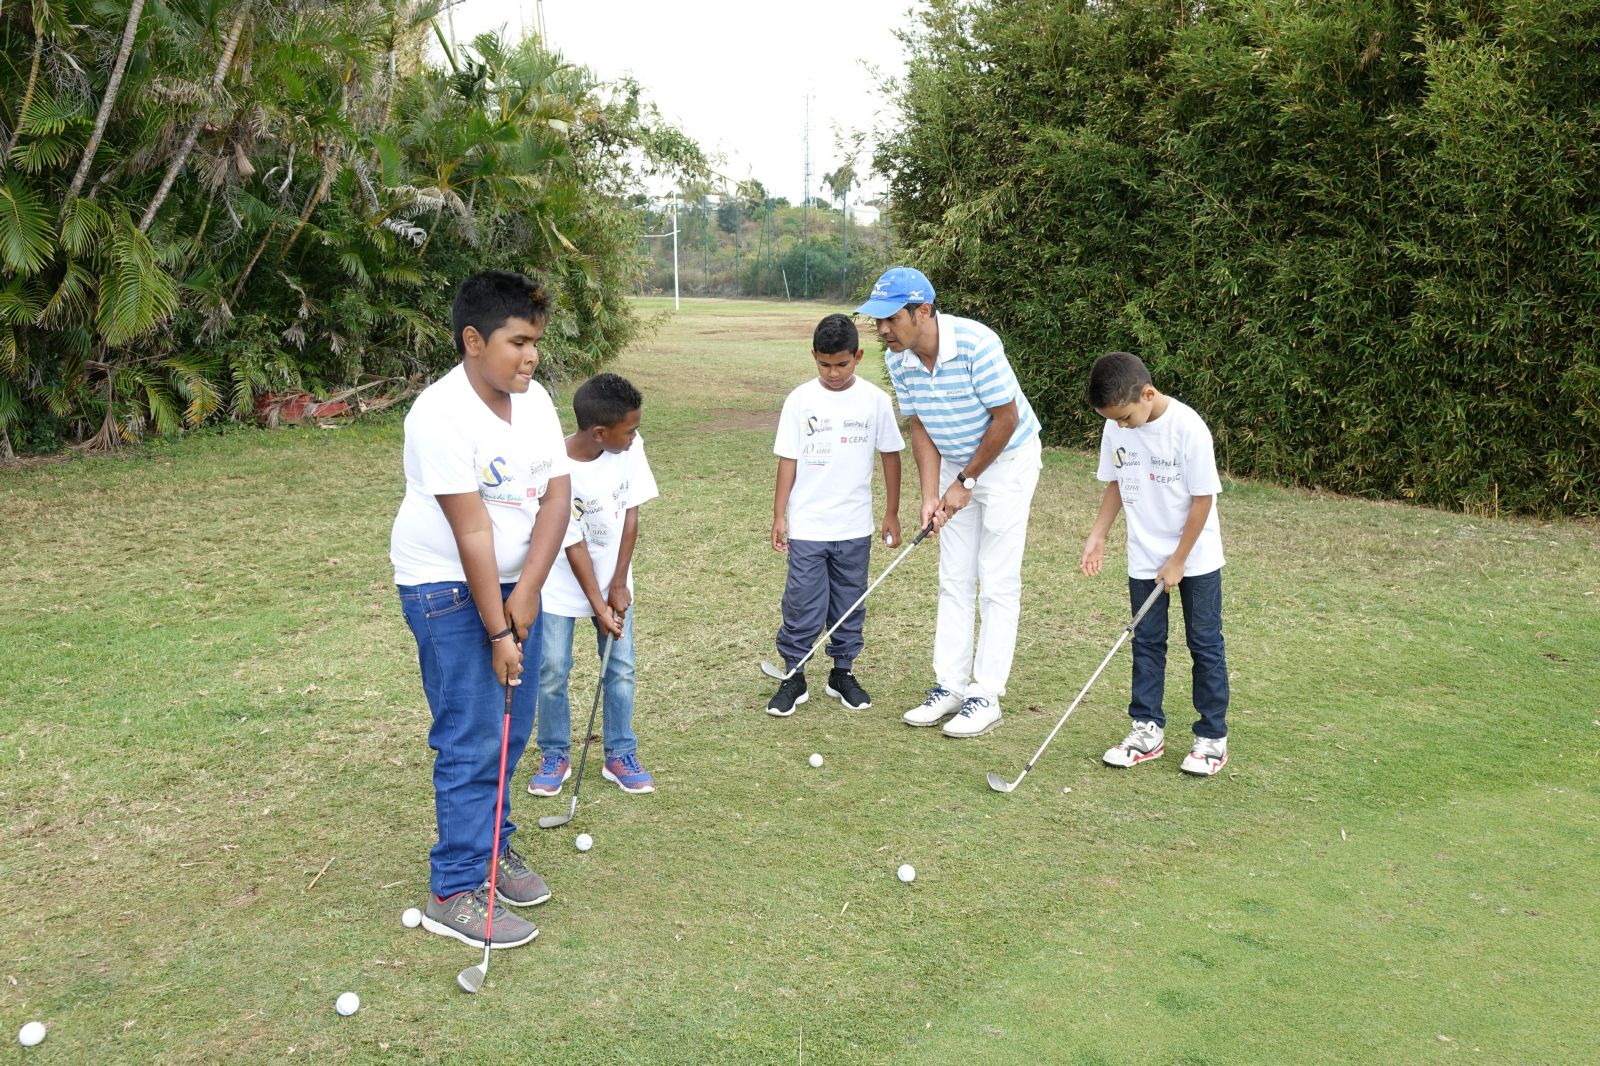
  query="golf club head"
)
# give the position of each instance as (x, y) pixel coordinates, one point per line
(550, 821)
(772, 671)
(471, 979)
(1000, 784)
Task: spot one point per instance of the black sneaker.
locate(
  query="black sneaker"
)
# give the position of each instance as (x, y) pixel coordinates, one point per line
(790, 695)
(843, 685)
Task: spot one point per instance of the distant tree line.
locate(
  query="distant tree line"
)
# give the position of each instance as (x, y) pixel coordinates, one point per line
(205, 200)
(1362, 237)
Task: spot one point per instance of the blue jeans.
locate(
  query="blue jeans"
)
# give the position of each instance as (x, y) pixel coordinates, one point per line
(555, 712)
(825, 578)
(1202, 629)
(468, 703)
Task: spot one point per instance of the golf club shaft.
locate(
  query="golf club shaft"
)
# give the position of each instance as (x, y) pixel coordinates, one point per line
(605, 664)
(499, 813)
(1155, 594)
(887, 570)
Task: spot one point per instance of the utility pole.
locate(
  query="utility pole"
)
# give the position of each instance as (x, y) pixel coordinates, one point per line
(676, 304)
(805, 214)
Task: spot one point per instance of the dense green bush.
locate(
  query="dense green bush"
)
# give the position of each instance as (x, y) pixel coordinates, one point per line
(1358, 236)
(205, 200)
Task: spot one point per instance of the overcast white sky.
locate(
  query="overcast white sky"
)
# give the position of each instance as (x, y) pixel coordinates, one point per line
(733, 75)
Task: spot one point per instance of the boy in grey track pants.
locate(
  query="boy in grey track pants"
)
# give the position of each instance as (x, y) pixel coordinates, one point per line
(822, 509)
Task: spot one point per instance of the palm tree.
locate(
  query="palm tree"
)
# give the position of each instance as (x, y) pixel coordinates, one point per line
(107, 102)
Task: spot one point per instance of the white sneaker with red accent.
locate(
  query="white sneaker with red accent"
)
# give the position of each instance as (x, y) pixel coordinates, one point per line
(1144, 742)
(1208, 756)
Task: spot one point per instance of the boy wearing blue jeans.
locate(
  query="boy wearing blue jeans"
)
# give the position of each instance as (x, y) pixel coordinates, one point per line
(822, 510)
(1157, 460)
(484, 514)
(593, 579)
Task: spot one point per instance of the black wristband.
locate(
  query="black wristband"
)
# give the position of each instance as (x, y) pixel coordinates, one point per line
(506, 632)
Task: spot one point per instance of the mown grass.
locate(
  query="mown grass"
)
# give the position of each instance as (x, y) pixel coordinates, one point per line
(207, 693)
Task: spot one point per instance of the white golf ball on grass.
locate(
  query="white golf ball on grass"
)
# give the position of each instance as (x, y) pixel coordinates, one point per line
(411, 918)
(584, 841)
(347, 1003)
(906, 873)
(31, 1034)
(816, 759)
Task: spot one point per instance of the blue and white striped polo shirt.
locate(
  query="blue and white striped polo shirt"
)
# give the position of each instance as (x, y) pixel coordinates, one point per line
(970, 376)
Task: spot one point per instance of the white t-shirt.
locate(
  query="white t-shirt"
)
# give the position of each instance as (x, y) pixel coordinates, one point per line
(603, 491)
(1160, 466)
(832, 437)
(455, 444)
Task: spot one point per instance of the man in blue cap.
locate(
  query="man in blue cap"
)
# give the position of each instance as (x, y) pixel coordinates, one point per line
(974, 431)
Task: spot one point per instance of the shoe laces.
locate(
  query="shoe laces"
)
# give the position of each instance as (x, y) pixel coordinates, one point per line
(551, 763)
(514, 864)
(1209, 747)
(793, 685)
(970, 705)
(935, 694)
(630, 763)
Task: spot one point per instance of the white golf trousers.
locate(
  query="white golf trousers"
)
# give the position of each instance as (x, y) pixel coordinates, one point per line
(980, 558)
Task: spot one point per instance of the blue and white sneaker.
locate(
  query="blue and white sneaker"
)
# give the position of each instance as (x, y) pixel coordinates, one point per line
(554, 769)
(626, 773)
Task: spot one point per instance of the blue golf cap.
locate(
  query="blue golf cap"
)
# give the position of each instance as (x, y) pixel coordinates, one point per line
(898, 286)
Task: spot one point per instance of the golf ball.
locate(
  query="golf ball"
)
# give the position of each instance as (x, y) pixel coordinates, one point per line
(30, 1034)
(816, 759)
(585, 841)
(907, 872)
(411, 918)
(347, 1003)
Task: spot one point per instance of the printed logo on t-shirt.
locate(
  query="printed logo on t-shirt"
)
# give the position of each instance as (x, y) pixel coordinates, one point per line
(815, 425)
(1123, 457)
(539, 476)
(596, 533)
(498, 484)
(1172, 470)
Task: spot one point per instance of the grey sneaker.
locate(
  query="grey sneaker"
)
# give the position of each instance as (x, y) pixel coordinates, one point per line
(464, 915)
(516, 883)
(1208, 756)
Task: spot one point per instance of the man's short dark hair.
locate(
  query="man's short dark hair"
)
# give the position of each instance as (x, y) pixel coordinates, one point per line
(605, 400)
(836, 334)
(1117, 378)
(484, 302)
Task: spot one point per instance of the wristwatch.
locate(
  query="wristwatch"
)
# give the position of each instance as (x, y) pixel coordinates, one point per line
(966, 482)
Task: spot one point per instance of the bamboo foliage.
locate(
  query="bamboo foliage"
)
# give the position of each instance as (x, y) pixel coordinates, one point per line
(1358, 236)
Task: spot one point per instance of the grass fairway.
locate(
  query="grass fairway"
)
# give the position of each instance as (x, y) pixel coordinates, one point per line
(217, 788)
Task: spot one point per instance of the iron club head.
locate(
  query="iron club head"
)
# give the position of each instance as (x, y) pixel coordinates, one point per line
(772, 671)
(471, 979)
(550, 821)
(1000, 784)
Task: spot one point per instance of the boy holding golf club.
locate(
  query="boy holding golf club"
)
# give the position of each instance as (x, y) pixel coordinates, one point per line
(1157, 460)
(822, 510)
(484, 514)
(593, 578)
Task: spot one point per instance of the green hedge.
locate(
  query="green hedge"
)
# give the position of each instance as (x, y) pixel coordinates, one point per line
(1359, 237)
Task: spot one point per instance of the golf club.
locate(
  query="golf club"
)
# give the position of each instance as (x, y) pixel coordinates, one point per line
(471, 979)
(1000, 784)
(550, 821)
(772, 671)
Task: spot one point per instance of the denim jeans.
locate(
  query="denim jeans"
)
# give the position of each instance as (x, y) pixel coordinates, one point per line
(825, 578)
(1202, 629)
(555, 710)
(468, 703)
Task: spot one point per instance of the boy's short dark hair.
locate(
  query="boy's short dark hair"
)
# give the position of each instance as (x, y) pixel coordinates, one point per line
(1117, 378)
(484, 301)
(605, 400)
(835, 334)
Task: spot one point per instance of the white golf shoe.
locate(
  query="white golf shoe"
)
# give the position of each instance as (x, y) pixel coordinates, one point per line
(940, 704)
(1143, 743)
(1208, 756)
(977, 716)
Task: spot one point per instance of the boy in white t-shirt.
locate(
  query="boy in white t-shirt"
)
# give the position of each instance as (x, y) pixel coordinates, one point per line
(593, 578)
(1156, 456)
(484, 514)
(822, 511)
